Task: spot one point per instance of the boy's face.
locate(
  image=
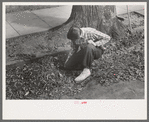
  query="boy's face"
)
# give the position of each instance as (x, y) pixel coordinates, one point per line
(79, 41)
(74, 41)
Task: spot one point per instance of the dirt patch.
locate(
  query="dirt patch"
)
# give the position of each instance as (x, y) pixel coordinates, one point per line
(121, 90)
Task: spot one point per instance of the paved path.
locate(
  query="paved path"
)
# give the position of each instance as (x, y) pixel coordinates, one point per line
(122, 9)
(27, 22)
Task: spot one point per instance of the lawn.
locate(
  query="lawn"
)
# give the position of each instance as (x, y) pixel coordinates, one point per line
(42, 78)
(17, 8)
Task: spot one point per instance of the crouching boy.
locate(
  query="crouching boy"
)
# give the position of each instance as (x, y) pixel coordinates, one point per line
(87, 46)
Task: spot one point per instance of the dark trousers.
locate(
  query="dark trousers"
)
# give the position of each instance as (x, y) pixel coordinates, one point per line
(84, 58)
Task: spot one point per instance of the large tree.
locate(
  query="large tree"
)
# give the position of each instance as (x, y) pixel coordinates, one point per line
(101, 17)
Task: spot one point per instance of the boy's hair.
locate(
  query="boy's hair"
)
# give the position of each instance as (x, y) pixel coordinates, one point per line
(74, 33)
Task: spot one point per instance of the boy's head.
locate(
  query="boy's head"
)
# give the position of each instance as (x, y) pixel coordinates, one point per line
(74, 33)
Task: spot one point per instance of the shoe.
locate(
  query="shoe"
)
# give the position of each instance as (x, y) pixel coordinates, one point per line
(86, 73)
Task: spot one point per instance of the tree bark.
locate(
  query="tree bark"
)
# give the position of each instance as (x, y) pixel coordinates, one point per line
(102, 17)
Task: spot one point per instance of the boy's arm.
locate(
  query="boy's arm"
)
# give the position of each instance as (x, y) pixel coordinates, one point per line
(102, 42)
(91, 42)
(74, 46)
(74, 49)
(70, 52)
(99, 43)
(101, 37)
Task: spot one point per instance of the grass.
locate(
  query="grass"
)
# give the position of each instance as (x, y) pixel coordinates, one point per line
(17, 8)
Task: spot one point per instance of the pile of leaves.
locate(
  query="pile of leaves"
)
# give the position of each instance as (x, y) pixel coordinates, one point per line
(123, 60)
(40, 79)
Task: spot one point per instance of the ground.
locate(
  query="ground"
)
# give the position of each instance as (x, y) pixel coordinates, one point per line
(119, 74)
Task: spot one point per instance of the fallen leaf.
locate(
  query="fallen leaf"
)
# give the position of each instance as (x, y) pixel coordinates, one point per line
(26, 93)
(52, 74)
(60, 75)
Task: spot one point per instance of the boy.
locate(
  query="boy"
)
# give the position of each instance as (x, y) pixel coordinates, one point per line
(87, 44)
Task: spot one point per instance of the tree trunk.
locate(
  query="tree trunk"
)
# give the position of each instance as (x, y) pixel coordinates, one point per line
(102, 17)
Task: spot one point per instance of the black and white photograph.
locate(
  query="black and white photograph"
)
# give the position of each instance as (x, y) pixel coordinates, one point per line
(74, 52)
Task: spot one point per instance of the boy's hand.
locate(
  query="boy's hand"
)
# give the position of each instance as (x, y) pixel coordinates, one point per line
(78, 49)
(98, 43)
(91, 42)
(101, 42)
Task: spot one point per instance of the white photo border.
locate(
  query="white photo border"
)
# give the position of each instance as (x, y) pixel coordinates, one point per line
(66, 109)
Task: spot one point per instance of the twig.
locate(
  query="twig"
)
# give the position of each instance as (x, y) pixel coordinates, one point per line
(129, 19)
